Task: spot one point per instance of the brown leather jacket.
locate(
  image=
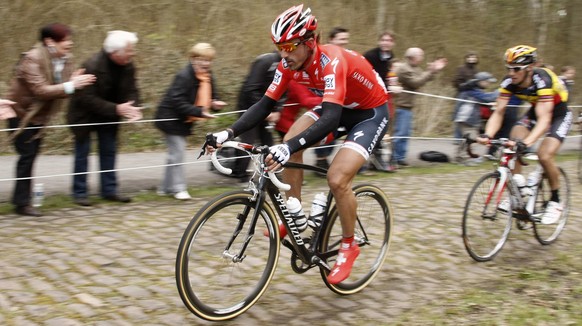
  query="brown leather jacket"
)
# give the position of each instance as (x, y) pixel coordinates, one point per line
(411, 78)
(37, 95)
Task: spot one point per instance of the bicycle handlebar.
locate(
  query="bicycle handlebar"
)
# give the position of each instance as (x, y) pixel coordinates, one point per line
(504, 142)
(262, 150)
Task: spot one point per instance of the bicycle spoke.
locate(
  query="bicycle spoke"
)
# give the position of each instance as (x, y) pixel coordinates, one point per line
(215, 279)
(485, 226)
(373, 230)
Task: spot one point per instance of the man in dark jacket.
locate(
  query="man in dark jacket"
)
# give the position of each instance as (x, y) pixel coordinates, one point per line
(111, 98)
(381, 56)
(254, 87)
(381, 59)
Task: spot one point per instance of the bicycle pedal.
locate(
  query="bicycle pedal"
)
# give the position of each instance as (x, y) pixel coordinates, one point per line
(524, 225)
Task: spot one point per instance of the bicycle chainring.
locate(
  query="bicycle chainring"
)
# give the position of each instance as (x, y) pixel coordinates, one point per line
(298, 265)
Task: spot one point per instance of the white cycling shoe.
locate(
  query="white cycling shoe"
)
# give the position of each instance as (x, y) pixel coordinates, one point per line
(552, 213)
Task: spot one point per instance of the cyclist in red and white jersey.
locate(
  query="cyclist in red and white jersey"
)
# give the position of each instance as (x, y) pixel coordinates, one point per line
(354, 99)
(549, 115)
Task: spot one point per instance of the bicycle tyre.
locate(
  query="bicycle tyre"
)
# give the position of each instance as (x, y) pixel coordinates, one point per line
(547, 234)
(213, 285)
(373, 232)
(485, 227)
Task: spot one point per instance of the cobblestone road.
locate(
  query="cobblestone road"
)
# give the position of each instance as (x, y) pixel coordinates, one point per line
(114, 264)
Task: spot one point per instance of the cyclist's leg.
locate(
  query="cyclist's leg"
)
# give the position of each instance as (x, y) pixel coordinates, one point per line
(550, 146)
(546, 153)
(518, 131)
(365, 129)
(294, 177)
(342, 171)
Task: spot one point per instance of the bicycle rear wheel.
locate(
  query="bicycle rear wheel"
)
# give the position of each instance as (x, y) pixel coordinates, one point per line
(214, 282)
(373, 233)
(485, 226)
(546, 234)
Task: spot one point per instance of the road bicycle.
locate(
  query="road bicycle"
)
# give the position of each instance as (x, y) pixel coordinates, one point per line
(487, 221)
(225, 263)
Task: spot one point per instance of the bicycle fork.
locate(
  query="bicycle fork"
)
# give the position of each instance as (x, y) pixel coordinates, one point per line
(242, 218)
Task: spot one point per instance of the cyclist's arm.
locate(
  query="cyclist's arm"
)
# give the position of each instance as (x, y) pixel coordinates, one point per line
(257, 113)
(496, 120)
(329, 121)
(544, 112)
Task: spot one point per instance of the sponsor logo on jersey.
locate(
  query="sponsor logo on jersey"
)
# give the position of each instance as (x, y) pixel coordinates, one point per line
(506, 82)
(324, 60)
(329, 82)
(363, 80)
(277, 77)
(285, 65)
(539, 81)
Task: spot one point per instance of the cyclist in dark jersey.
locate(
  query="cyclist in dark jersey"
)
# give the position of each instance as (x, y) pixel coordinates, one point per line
(353, 97)
(549, 115)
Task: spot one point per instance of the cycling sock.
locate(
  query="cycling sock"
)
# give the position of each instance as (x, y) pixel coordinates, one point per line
(555, 196)
(348, 242)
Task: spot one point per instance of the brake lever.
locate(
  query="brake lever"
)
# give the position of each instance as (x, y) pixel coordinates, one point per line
(209, 141)
(468, 142)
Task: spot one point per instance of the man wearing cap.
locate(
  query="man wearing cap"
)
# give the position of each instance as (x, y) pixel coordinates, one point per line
(468, 110)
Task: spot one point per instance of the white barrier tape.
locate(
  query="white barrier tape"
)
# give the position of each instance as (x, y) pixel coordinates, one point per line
(222, 159)
(110, 123)
(239, 111)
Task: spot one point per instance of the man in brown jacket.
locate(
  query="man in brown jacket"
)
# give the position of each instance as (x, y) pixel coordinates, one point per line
(43, 77)
(411, 77)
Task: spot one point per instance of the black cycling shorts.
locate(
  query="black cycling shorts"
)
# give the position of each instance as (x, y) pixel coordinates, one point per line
(364, 128)
(559, 126)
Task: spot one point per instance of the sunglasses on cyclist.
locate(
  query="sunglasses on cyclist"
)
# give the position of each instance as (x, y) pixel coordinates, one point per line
(516, 69)
(289, 46)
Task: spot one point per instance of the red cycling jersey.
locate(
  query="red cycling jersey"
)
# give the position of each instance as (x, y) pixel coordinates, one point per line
(341, 76)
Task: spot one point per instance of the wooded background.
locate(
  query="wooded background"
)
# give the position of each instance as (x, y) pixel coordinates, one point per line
(240, 30)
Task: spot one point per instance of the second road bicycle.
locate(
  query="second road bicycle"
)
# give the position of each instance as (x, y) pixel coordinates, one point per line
(496, 201)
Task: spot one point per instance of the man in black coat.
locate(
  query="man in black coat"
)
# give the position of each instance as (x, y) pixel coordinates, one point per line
(113, 96)
(381, 59)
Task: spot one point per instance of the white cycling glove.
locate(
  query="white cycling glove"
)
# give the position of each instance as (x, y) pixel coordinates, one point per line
(222, 136)
(281, 153)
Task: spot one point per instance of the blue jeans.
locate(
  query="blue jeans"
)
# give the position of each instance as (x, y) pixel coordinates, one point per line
(402, 128)
(107, 142)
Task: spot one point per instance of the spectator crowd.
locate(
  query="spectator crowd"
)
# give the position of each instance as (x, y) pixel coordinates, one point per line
(102, 91)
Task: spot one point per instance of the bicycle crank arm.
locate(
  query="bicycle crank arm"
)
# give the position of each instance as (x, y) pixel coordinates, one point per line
(319, 262)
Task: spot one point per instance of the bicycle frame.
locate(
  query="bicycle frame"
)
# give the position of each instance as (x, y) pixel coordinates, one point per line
(506, 165)
(268, 183)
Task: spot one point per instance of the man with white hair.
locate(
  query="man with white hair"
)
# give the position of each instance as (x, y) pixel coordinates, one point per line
(113, 97)
(411, 77)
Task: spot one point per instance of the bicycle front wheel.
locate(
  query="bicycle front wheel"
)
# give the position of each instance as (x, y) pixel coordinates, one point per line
(373, 233)
(217, 281)
(547, 234)
(486, 224)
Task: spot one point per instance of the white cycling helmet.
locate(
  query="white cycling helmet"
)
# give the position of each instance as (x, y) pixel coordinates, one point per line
(294, 23)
